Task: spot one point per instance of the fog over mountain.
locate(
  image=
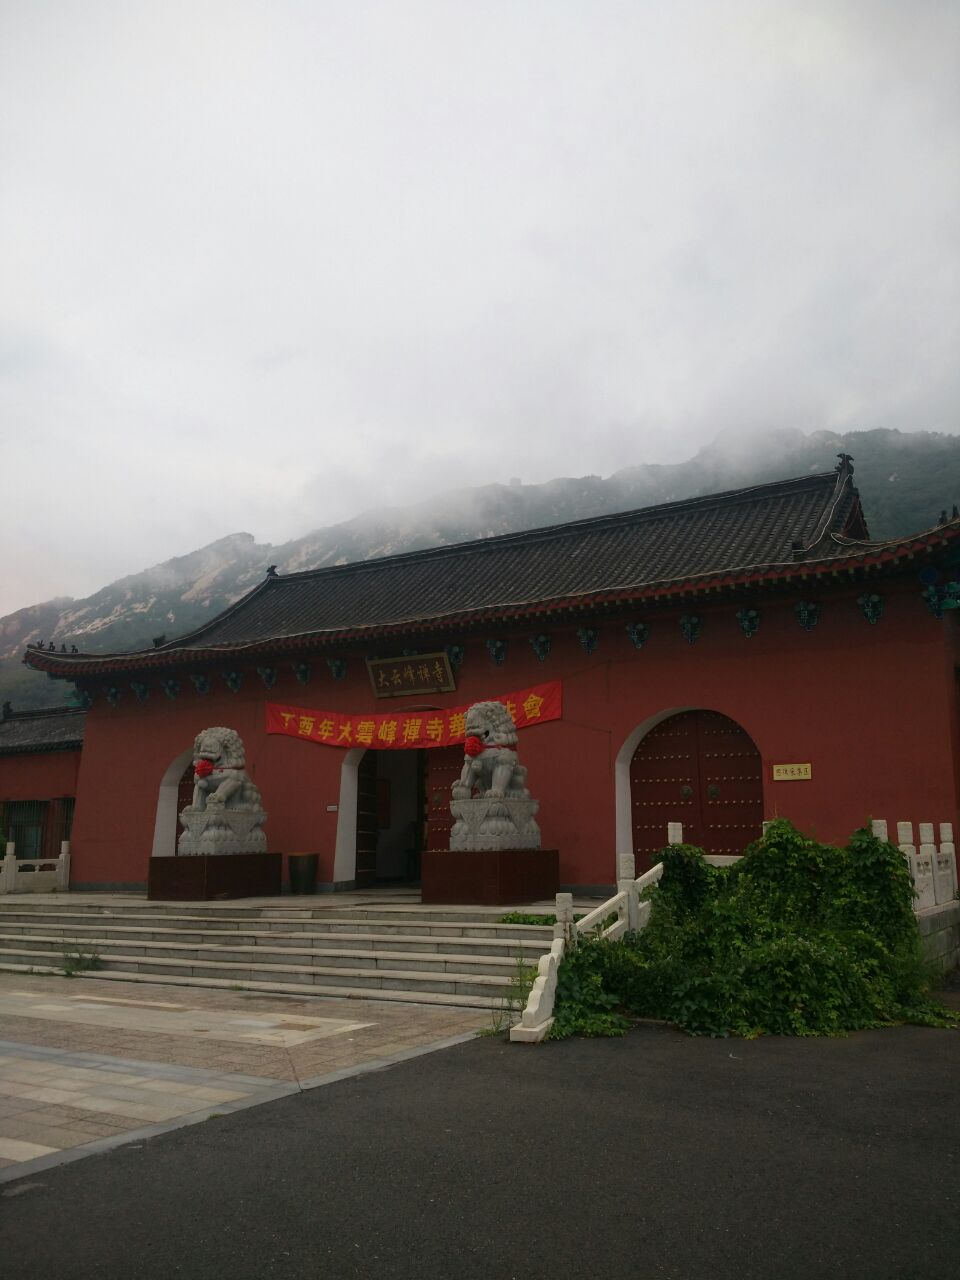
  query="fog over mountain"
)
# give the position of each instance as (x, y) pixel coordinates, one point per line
(266, 264)
(905, 480)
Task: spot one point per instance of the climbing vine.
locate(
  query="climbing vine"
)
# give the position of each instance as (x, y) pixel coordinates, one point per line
(797, 938)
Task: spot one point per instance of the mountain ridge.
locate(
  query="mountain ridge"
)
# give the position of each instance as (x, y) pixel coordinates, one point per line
(905, 480)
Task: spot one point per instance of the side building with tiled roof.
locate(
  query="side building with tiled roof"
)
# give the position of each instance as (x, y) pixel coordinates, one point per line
(39, 769)
(716, 662)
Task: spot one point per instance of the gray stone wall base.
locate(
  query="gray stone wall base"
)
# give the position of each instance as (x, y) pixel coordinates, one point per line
(940, 935)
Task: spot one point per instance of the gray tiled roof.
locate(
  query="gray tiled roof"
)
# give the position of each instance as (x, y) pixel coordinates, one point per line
(743, 535)
(53, 729)
(676, 541)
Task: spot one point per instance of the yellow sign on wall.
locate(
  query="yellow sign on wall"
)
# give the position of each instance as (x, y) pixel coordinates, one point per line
(792, 772)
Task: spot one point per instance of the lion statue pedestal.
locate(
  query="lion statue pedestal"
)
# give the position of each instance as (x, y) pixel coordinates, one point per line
(495, 855)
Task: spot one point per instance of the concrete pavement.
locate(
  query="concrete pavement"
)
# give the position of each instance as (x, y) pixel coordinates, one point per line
(656, 1155)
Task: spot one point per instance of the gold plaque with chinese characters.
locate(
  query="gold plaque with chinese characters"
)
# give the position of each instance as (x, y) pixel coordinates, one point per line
(792, 772)
(400, 677)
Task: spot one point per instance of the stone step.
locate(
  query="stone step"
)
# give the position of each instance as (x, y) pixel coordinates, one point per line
(266, 956)
(283, 913)
(448, 983)
(399, 996)
(407, 926)
(137, 935)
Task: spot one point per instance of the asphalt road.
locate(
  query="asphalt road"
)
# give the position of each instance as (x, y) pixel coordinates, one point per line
(656, 1155)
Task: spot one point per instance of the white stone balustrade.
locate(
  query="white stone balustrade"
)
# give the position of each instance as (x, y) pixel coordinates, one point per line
(933, 866)
(35, 875)
(631, 914)
(537, 1017)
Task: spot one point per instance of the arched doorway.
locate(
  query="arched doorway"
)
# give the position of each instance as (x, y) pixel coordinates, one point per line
(393, 805)
(389, 806)
(702, 769)
(176, 792)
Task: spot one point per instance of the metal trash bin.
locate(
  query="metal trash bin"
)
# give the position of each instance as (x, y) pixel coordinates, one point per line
(302, 869)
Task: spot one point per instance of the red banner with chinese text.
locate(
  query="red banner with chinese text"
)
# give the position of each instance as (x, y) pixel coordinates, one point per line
(404, 729)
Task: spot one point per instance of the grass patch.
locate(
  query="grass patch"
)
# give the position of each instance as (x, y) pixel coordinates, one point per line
(798, 938)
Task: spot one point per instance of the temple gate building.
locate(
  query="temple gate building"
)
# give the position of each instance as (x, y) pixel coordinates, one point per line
(715, 661)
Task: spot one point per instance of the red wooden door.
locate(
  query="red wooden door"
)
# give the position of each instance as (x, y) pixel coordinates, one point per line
(699, 768)
(441, 767)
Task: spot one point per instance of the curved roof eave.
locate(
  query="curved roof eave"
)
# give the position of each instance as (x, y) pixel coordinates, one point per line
(850, 556)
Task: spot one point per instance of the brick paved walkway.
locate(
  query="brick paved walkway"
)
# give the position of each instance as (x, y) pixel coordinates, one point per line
(82, 1069)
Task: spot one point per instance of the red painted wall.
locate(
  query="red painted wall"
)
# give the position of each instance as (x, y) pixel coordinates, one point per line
(39, 775)
(873, 709)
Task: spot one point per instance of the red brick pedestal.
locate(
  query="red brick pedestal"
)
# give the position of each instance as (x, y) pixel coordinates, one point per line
(208, 876)
(489, 877)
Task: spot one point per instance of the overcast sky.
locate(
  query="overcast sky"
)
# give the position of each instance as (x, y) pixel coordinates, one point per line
(265, 265)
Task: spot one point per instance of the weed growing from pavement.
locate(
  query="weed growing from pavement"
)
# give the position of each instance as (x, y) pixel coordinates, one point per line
(75, 962)
(797, 938)
(512, 1003)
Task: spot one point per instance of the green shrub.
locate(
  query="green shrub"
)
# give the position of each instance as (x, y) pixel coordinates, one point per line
(526, 917)
(797, 938)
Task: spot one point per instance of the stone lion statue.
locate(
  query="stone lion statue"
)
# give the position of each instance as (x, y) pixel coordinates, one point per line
(490, 803)
(491, 767)
(225, 781)
(226, 815)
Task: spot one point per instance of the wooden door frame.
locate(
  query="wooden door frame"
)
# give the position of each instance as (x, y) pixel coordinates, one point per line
(345, 853)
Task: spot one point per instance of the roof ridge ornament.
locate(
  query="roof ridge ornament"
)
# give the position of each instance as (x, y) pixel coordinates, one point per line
(845, 465)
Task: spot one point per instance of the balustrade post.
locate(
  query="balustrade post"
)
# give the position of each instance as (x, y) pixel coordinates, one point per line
(908, 849)
(629, 887)
(564, 926)
(879, 828)
(674, 833)
(8, 869)
(950, 849)
(921, 867)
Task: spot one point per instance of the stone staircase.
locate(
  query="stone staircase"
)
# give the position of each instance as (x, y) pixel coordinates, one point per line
(377, 951)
